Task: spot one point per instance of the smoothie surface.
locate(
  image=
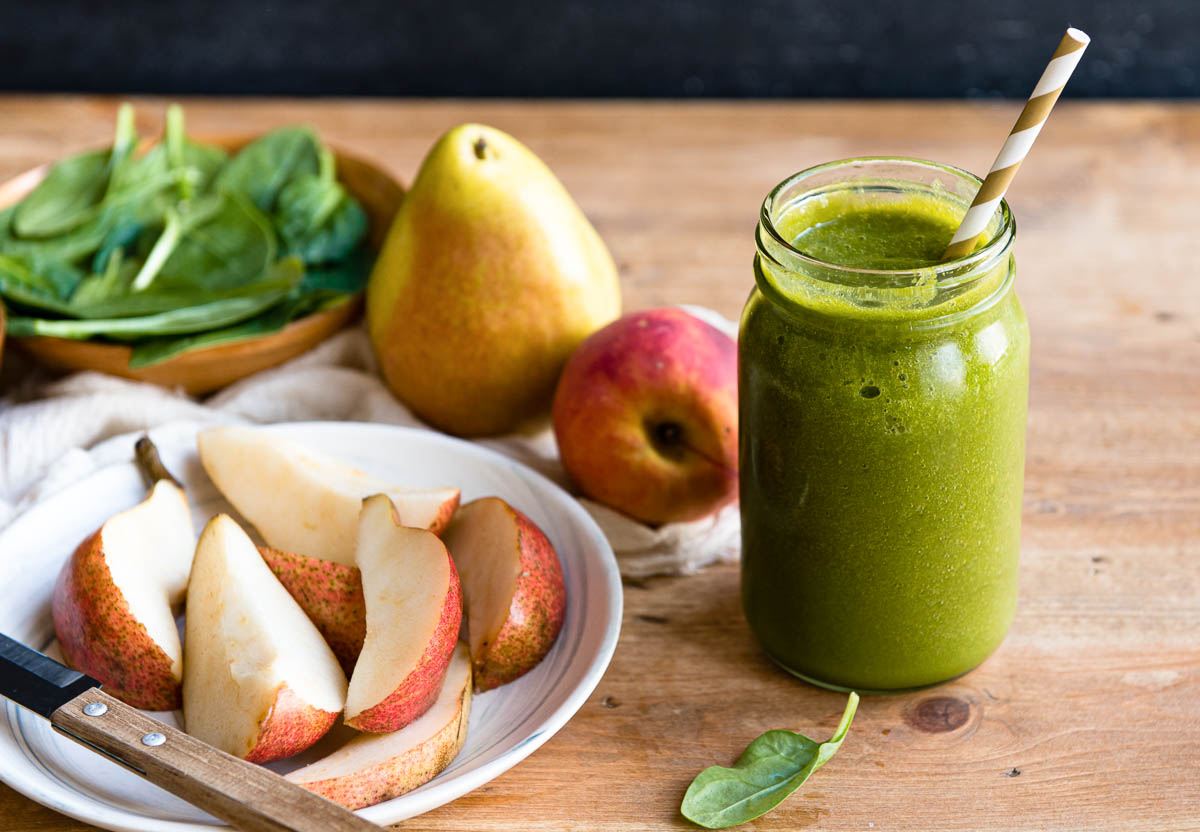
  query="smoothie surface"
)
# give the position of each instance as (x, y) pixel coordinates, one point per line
(852, 230)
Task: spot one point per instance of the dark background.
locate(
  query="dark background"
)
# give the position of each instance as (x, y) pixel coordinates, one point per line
(619, 48)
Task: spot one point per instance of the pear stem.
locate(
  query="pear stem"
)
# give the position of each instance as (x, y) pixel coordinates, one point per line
(150, 464)
(480, 147)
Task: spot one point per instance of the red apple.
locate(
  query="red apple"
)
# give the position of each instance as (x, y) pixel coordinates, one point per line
(646, 416)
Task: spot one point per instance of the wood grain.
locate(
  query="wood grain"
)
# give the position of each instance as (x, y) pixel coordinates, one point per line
(247, 796)
(1094, 699)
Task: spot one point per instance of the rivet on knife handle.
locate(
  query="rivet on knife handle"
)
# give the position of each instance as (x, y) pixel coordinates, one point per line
(247, 796)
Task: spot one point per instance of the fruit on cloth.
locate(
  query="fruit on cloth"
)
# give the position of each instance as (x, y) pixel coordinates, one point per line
(645, 415)
(489, 279)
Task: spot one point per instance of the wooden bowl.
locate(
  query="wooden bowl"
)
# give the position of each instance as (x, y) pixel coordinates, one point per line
(210, 368)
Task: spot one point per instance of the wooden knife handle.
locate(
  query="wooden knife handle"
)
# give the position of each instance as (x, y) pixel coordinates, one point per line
(242, 794)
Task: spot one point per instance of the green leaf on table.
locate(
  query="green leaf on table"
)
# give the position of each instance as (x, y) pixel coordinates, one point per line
(264, 167)
(770, 769)
(318, 220)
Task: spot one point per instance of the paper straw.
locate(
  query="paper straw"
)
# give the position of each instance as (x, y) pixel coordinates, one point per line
(1029, 124)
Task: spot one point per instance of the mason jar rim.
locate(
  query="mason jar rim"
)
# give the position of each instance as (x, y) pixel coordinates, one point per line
(946, 273)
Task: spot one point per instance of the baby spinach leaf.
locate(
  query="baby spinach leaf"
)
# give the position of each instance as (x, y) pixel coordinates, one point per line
(197, 318)
(34, 288)
(347, 276)
(101, 288)
(195, 165)
(121, 235)
(232, 247)
(215, 242)
(770, 769)
(124, 143)
(65, 198)
(71, 247)
(263, 167)
(114, 300)
(317, 219)
(69, 194)
(157, 350)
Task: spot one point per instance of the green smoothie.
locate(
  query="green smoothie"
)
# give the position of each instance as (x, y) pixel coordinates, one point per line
(882, 418)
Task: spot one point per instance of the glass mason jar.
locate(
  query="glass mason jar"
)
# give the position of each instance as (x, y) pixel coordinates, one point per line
(882, 419)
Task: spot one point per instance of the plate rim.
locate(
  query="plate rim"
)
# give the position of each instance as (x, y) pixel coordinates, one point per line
(26, 778)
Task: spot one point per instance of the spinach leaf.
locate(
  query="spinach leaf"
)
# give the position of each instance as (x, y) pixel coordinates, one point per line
(770, 769)
(347, 276)
(73, 188)
(44, 289)
(98, 298)
(121, 235)
(215, 242)
(99, 288)
(195, 165)
(157, 350)
(317, 219)
(213, 315)
(71, 247)
(65, 198)
(263, 167)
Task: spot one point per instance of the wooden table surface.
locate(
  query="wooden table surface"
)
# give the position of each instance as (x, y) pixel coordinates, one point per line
(1088, 717)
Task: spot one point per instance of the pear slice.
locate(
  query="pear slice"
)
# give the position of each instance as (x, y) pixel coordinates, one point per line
(372, 768)
(259, 682)
(305, 502)
(330, 594)
(513, 587)
(414, 613)
(113, 602)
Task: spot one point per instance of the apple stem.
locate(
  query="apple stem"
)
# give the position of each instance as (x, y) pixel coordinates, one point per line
(150, 464)
(481, 148)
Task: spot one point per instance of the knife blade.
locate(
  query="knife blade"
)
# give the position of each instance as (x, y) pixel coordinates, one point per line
(245, 795)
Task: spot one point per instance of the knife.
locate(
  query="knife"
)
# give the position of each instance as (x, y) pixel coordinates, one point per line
(242, 794)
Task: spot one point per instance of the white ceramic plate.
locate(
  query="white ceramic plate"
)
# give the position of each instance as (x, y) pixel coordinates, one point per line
(507, 724)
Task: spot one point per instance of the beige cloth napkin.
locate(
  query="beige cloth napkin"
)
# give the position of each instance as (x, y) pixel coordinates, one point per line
(54, 433)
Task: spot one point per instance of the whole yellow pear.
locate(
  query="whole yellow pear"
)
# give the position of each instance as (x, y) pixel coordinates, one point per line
(489, 278)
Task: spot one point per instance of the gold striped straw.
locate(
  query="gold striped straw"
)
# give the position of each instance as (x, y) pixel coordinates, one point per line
(1016, 147)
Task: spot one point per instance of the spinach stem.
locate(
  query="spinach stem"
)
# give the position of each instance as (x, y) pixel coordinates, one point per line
(176, 137)
(126, 136)
(114, 263)
(162, 250)
(332, 197)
